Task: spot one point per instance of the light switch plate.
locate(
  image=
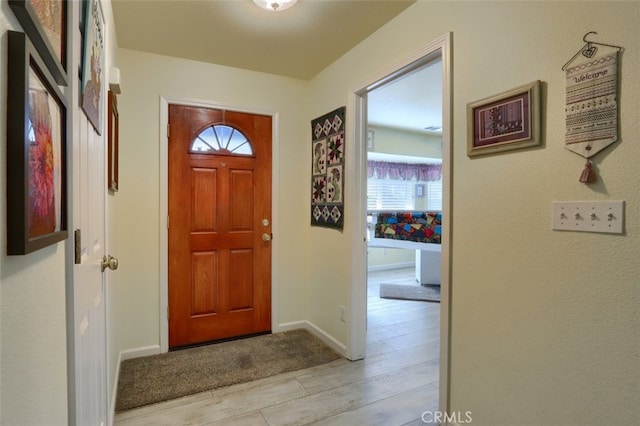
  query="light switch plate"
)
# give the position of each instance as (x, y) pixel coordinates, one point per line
(589, 216)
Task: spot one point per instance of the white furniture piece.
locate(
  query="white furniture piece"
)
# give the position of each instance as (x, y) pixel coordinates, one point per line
(428, 257)
(428, 265)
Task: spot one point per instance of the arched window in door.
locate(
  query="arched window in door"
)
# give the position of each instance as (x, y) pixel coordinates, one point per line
(221, 139)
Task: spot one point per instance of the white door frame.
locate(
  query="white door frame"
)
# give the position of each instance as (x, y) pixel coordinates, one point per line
(164, 205)
(358, 294)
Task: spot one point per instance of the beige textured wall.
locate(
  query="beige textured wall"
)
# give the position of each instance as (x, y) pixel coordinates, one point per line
(544, 323)
(33, 363)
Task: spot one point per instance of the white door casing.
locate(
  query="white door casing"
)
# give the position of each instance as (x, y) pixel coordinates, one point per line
(357, 107)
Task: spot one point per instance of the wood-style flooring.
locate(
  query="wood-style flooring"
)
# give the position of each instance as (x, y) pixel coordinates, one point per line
(393, 386)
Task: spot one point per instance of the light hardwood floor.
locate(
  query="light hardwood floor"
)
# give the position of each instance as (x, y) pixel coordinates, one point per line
(393, 386)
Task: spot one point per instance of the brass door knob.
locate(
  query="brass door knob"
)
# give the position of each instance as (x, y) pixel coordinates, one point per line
(266, 237)
(110, 262)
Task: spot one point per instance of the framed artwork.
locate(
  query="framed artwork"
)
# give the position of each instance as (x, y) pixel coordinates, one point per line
(112, 137)
(36, 151)
(45, 22)
(508, 121)
(93, 65)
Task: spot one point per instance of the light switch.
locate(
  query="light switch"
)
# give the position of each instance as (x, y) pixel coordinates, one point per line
(589, 216)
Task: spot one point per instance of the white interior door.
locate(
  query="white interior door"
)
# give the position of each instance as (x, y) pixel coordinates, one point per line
(87, 324)
(88, 281)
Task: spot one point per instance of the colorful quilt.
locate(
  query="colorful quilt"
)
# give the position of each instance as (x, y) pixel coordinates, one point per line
(327, 170)
(421, 227)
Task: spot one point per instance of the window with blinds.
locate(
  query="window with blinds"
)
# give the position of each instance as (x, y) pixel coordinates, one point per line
(393, 194)
(434, 195)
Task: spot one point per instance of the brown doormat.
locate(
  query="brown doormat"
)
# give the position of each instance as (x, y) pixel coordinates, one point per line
(152, 379)
(425, 293)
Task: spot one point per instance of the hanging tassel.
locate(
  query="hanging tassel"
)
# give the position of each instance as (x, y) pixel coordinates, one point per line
(587, 175)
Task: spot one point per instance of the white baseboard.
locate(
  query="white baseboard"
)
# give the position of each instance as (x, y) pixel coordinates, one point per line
(391, 266)
(316, 331)
(114, 392)
(139, 352)
(124, 355)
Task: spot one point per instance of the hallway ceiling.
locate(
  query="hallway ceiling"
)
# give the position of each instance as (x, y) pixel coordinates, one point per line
(298, 42)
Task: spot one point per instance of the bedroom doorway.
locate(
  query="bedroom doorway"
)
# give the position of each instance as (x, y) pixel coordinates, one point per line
(437, 56)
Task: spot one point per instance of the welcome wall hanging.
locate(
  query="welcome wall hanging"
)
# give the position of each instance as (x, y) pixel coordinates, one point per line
(592, 103)
(327, 170)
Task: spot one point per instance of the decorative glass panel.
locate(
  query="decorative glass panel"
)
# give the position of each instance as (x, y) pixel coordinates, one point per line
(221, 139)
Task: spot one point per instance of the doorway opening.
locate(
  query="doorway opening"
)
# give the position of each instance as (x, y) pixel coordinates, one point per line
(426, 77)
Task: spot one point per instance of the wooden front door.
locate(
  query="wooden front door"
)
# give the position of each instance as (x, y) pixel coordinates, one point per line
(219, 224)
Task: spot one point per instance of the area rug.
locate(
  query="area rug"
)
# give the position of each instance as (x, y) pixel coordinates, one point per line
(426, 293)
(152, 379)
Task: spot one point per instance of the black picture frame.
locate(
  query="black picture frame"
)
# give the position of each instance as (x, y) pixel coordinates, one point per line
(41, 34)
(36, 151)
(113, 141)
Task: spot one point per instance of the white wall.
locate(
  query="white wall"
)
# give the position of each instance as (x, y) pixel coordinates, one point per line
(544, 323)
(389, 258)
(33, 369)
(404, 142)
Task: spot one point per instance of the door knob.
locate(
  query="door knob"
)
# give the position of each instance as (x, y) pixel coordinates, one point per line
(266, 237)
(110, 262)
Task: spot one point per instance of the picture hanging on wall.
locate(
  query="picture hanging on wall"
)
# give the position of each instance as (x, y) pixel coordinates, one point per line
(592, 103)
(327, 170)
(504, 122)
(93, 65)
(36, 151)
(113, 130)
(45, 22)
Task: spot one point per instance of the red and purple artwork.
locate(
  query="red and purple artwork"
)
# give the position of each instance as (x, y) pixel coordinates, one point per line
(42, 170)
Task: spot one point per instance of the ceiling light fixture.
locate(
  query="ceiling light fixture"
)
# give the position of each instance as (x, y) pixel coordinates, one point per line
(275, 5)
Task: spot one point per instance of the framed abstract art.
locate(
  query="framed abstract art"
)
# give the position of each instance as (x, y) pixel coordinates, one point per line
(45, 22)
(36, 151)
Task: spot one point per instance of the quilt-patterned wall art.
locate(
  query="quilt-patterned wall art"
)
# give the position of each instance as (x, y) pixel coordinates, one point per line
(327, 170)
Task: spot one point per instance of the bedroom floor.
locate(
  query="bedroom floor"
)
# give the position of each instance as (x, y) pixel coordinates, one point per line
(393, 386)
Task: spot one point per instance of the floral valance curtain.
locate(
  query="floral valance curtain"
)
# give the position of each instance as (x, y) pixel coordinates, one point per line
(404, 171)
